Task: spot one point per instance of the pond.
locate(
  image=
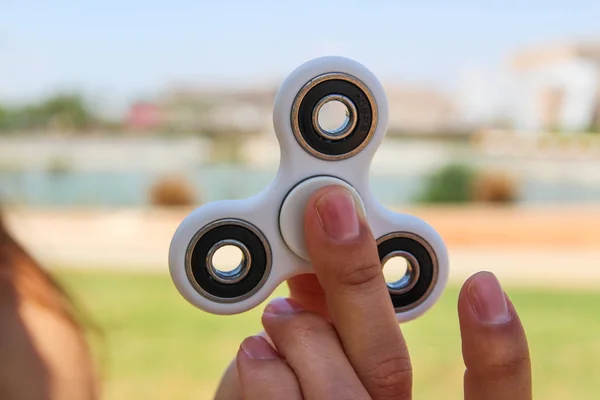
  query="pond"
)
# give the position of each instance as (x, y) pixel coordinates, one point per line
(213, 182)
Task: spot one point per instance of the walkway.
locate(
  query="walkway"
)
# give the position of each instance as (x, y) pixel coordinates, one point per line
(542, 246)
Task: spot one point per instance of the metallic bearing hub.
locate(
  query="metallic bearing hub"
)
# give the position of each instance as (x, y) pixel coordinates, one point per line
(235, 275)
(422, 272)
(346, 127)
(244, 280)
(353, 136)
(410, 278)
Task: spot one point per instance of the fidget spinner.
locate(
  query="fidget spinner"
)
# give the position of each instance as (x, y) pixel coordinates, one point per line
(268, 227)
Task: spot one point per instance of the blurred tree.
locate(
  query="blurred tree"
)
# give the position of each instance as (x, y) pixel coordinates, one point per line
(62, 112)
(4, 116)
(66, 112)
(593, 129)
(25, 118)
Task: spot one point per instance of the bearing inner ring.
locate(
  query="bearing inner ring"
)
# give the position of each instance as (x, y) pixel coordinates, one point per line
(246, 279)
(346, 128)
(410, 277)
(236, 274)
(409, 293)
(353, 93)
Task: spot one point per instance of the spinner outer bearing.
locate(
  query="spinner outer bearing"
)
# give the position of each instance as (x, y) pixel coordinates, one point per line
(309, 98)
(427, 268)
(253, 274)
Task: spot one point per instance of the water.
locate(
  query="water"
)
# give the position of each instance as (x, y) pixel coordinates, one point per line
(119, 172)
(214, 182)
(126, 189)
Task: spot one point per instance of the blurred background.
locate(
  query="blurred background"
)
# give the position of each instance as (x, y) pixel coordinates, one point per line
(118, 118)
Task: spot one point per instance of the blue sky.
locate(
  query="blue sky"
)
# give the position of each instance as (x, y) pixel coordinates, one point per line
(119, 49)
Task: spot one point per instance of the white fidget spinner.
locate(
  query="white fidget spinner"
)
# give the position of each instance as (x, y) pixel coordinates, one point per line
(268, 227)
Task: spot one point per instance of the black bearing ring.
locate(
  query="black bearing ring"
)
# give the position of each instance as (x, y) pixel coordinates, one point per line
(257, 271)
(309, 97)
(427, 267)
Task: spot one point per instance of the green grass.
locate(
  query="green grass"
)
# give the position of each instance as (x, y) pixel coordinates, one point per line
(157, 346)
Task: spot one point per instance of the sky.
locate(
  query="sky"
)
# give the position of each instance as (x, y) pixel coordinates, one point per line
(119, 50)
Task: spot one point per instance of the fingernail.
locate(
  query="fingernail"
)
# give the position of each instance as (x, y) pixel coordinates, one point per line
(487, 299)
(282, 306)
(257, 348)
(337, 213)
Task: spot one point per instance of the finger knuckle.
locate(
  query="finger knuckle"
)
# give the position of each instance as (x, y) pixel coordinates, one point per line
(391, 377)
(508, 362)
(360, 274)
(307, 328)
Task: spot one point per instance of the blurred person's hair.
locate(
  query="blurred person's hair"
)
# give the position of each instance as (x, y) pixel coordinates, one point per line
(44, 349)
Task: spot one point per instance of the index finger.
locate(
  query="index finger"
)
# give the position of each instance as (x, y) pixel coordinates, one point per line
(495, 348)
(307, 291)
(344, 255)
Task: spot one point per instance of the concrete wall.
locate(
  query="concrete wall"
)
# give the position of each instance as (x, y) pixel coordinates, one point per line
(103, 153)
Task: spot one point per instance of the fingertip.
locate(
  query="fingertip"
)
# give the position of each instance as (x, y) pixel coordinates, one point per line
(484, 296)
(311, 217)
(257, 348)
(307, 291)
(488, 319)
(314, 197)
(263, 374)
(281, 306)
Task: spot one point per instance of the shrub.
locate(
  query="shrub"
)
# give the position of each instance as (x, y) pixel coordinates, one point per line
(451, 184)
(459, 183)
(172, 191)
(495, 187)
(58, 166)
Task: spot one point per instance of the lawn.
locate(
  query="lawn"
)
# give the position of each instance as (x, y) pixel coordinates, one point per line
(156, 346)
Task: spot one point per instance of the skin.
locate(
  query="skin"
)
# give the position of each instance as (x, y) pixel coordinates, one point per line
(43, 348)
(316, 344)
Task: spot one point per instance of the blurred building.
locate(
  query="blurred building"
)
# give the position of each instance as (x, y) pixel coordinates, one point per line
(413, 110)
(558, 87)
(144, 116)
(554, 88)
(206, 110)
(421, 110)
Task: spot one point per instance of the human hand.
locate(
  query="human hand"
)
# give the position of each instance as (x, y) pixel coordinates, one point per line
(337, 337)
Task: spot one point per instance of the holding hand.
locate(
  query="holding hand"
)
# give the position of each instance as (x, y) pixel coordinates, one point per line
(337, 336)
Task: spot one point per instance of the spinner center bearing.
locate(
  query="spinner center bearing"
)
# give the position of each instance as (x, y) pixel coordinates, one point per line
(353, 135)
